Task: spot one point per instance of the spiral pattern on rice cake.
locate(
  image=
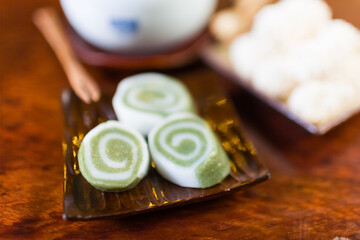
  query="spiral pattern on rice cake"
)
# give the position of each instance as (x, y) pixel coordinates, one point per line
(144, 99)
(187, 153)
(113, 157)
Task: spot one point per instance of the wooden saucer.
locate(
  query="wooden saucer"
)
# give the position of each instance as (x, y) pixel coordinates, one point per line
(175, 58)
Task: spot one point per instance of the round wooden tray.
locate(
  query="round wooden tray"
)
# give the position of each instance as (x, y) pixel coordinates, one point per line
(175, 58)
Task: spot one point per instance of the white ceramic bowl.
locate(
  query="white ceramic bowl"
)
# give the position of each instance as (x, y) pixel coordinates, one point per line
(137, 26)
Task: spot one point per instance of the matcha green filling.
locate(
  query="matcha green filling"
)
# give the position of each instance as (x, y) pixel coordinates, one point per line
(117, 150)
(185, 147)
(214, 169)
(149, 94)
(215, 166)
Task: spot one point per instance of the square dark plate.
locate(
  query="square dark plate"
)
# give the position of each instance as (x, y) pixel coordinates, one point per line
(82, 201)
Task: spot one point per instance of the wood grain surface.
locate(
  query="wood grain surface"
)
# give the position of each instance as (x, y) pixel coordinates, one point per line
(314, 192)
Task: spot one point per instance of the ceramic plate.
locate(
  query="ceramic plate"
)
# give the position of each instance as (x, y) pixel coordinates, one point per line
(216, 56)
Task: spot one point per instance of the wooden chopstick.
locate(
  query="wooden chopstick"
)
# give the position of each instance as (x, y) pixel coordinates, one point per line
(49, 24)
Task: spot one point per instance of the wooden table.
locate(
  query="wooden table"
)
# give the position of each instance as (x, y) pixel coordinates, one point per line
(314, 192)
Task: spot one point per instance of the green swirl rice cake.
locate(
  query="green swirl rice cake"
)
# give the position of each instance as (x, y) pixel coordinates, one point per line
(142, 100)
(186, 152)
(113, 157)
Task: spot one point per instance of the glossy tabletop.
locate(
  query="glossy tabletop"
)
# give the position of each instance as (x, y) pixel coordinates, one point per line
(313, 193)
